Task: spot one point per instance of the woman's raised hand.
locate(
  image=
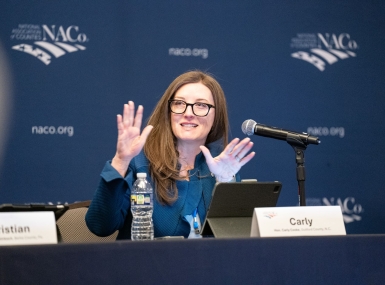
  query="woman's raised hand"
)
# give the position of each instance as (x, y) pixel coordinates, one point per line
(230, 161)
(130, 140)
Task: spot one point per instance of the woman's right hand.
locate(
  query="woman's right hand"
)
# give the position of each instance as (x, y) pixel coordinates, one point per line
(130, 140)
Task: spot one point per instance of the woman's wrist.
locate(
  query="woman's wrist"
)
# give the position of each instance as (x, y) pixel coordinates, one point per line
(120, 165)
(225, 179)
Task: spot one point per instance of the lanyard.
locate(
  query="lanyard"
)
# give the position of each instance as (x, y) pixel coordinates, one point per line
(195, 220)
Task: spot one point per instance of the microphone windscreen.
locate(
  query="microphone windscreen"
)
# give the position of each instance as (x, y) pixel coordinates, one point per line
(248, 127)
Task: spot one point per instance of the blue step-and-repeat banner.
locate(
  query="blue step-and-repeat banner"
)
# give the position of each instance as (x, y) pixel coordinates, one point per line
(67, 68)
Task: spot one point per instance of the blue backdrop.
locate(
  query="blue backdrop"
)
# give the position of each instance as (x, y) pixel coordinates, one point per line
(67, 68)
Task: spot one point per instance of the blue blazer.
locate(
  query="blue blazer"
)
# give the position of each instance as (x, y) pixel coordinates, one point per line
(110, 207)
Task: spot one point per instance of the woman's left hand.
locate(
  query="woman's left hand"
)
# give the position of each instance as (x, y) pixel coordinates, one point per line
(230, 161)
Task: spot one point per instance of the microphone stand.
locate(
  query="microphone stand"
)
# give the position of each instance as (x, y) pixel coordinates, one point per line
(299, 148)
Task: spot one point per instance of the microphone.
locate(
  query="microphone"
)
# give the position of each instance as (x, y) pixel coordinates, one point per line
(250, 127)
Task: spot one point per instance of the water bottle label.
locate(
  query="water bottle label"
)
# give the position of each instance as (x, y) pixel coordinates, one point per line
(141, 199)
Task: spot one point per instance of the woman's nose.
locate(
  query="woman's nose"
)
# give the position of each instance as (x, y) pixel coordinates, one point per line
(189, 111)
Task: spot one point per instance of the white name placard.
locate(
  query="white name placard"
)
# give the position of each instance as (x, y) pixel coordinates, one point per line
(297, 221)
(22, 228)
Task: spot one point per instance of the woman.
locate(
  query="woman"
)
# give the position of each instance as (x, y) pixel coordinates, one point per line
(184, 152)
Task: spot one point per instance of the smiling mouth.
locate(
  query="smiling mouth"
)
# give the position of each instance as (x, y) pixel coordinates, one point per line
(189, 125)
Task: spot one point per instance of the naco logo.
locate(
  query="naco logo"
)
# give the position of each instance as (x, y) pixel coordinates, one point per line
(351, 210)
(323, 48)
(49, 41)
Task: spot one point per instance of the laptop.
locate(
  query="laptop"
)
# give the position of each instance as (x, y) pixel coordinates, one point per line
(232, 205)
(58, 210)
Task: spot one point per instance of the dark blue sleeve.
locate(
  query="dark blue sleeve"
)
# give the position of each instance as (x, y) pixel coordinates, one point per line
(110, 203)
(237, 177)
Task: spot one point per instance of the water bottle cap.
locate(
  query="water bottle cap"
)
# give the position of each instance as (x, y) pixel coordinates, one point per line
(141, 175)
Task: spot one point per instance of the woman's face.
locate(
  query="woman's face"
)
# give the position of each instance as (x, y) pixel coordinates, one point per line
(187, 127)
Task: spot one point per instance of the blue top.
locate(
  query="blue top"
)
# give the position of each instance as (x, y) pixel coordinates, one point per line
(110, 208)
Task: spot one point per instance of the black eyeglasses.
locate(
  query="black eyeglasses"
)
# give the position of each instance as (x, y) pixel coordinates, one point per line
(199, 109)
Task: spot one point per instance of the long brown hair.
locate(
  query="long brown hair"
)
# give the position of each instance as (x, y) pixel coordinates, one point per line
(160, 147)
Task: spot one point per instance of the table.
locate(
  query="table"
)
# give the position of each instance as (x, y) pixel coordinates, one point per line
(351, 259)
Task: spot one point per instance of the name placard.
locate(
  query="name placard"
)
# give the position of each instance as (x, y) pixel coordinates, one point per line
(297, 221)
(22, 228)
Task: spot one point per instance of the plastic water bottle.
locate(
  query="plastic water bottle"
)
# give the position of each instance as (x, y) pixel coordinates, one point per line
(142, 207)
